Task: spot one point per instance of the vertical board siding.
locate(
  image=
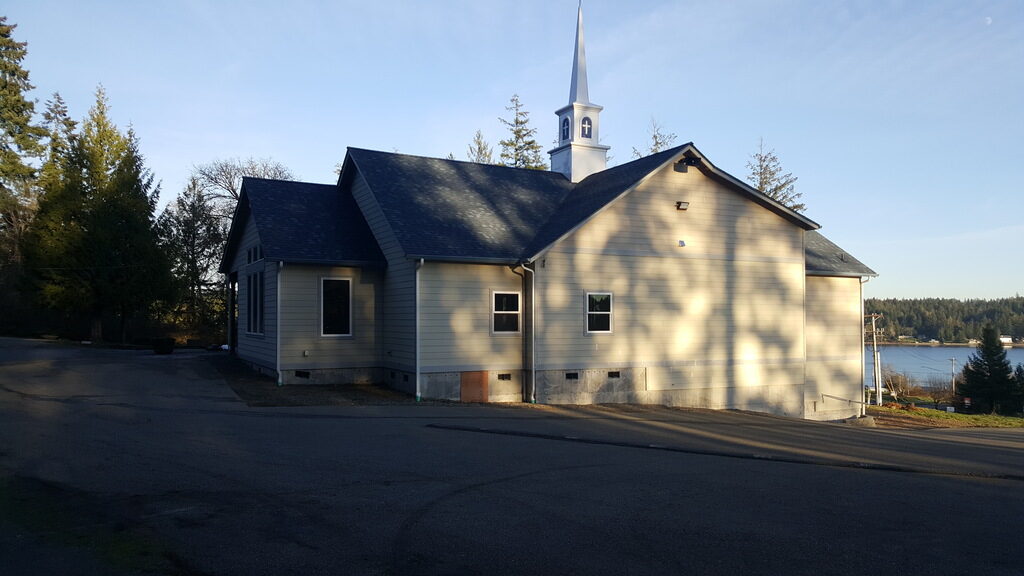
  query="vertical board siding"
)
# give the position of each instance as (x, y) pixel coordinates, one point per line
(725, 311)
(257, 348)
(398, 335)
(455, 318)
(302, 346)
(835, 360)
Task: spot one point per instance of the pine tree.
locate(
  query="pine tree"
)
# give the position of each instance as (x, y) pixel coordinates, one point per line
(659, 141)
(193, 239)
(479, 150)
(19, 137)
(987, 375)
(766, 175)
(92, 247)
(19, 141)
(520, 149)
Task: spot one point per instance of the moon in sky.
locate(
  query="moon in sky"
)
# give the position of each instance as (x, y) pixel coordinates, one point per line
(988, 20)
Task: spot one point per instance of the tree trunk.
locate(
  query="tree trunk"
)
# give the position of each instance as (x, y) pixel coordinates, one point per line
(96, 332)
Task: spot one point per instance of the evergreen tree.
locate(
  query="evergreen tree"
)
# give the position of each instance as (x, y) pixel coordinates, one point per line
(1018, 387)
(193, 238)
(19, 137)
(92, 246)
(766, 175)
(20, 140)
(987, 375)
(659, 141)
(520, 149)
(479, 150)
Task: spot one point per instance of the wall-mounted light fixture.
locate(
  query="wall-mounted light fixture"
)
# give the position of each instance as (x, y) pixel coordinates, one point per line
(682, 205)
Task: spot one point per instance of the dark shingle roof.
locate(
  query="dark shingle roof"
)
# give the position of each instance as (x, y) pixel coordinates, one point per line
(463, 211)
(452, 210)
(310, 223)
(824, 258)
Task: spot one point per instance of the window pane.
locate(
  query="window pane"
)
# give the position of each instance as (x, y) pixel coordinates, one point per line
(599, 322)
(336, 307)
(599, 302)
(506, 322)
(504, 302)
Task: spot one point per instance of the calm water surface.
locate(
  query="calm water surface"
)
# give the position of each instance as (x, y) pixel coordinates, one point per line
(924, 362)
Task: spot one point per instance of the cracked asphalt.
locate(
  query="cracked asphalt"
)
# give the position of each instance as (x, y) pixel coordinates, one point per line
(122, 462)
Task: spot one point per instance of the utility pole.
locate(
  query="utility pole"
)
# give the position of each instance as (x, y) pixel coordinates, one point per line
(877, 371)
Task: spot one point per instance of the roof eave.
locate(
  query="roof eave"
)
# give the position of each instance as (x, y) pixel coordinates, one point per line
(870, 274)
(234, 232)
(464, 259)
(754, 194)
(322, 262)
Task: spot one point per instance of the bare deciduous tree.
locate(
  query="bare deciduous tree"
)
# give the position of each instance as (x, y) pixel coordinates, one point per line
(224, 177)
(221, 180)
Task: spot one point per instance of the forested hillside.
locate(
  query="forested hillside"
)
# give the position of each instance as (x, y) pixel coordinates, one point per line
(947, 319)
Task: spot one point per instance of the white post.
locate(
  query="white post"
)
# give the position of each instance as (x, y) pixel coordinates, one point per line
(878, 368)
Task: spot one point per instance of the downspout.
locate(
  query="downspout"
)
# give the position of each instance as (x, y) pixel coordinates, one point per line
(277, 322)
(416, 302)
(533, 334)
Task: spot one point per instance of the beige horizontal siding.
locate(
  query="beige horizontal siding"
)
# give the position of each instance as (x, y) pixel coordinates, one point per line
(835, 361)
(724, 312)
(455, 318)
(258, 348)
(302, 346)
(719, 221)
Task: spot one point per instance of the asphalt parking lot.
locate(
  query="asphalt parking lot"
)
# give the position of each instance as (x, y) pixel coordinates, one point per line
(123, 462)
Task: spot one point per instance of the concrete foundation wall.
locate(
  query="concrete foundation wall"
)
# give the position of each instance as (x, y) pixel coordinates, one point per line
(333, 376)
(448, 386)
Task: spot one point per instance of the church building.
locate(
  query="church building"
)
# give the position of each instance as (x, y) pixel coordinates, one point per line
(664, 280)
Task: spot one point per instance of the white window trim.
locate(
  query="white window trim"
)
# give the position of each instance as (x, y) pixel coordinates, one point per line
(351, 319)
(610, 313)
(518, 313)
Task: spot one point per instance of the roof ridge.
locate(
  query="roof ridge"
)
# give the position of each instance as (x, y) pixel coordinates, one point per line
(456, 160)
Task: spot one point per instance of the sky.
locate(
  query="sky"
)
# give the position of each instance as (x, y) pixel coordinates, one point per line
(903, 121)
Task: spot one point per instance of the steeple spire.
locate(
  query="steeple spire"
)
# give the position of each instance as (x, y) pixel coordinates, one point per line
(578, 85)
(579, 152)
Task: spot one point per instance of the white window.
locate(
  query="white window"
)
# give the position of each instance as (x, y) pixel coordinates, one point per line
(505, 311)
(254, 254)
(586, 127)
(599, 312)
(335, 307)
(254, 303)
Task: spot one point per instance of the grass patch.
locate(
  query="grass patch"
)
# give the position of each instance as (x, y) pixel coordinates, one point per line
(67, 517)
(918, 417)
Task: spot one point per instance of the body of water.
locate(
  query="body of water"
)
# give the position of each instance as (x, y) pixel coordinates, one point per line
(922, 363)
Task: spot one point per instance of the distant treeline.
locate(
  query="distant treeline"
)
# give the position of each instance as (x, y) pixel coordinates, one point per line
(947, 319)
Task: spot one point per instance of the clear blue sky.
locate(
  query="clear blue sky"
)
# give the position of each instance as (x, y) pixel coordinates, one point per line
(904, 121)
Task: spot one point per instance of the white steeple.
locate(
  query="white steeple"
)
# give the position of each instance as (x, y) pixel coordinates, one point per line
(578, 86)
(578, 154)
